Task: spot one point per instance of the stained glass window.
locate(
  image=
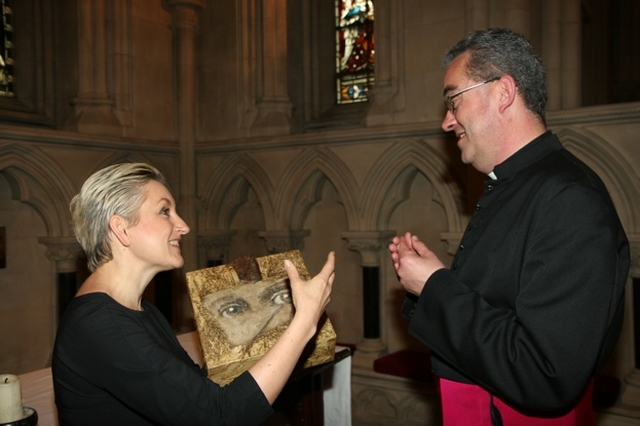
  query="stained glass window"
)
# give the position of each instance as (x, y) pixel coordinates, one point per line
(6, 50)
(354, 50)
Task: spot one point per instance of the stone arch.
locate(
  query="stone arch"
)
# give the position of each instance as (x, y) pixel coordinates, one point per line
(612, 167)
(304, 179)
(37, 180)
(309, 193)
(229, 185)
(390, 180)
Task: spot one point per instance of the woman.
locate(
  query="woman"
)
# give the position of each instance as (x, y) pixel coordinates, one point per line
(116, 359)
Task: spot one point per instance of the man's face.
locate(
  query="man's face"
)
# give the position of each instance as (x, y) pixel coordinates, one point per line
(469, 116)
(247, 311)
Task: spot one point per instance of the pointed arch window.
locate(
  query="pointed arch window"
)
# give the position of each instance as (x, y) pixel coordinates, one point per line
(6, 50)
(355, 51)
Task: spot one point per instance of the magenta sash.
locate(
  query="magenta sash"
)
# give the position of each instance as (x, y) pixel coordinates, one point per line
(464, 405)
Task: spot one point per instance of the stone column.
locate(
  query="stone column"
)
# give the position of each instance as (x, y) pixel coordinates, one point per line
(273, 103)
(280, 241)
(552, 52)
(518, 16)
(571, 54)
(123, 62)
(476, 14)
(185, 19)
(388, 92)
(562, 53)
(66, 253)
(630, 398)
(93, 107)
(370, 245)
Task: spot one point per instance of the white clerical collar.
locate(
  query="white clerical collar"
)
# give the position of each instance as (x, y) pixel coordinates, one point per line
(492, 176)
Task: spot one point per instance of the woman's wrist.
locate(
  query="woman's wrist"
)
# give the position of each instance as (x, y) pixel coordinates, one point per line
(307, 326)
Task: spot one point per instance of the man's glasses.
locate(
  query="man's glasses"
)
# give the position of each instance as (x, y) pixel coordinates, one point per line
(448, 100)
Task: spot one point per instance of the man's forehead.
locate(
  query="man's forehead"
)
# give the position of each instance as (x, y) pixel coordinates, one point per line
(455, 73)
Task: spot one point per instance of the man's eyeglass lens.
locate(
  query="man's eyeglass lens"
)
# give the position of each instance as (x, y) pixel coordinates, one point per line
(448, 100)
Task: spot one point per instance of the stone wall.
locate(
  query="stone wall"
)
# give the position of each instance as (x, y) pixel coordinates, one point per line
(261, 161)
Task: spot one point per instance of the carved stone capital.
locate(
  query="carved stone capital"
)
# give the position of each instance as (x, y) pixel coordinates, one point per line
(368, 350)
(281, 241)
(183, 4)
(216, 244)
(369, 244)
(64, 251)
(453, 241)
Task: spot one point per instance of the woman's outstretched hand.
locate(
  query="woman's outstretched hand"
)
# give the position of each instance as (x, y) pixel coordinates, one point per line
(311, 298)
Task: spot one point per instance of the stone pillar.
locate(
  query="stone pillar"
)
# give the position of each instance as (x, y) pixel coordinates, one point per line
(552, 52)
(280, 241)
(630, 398)
(184, 23)
(122, 62)
(476, 14)
(631, 393)
(388, 92)
(370, 245)
(518, 16)
(571, 54)
(273, 103)
(65, 252)
(562, 53)
(93, 107)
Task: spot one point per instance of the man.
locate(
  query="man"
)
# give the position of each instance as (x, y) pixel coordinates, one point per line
(532, 304)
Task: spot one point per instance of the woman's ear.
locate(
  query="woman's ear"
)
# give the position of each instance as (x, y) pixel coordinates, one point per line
(508, 92)
(118, 226)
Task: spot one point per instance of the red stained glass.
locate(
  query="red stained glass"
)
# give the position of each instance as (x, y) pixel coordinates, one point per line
(355, 50)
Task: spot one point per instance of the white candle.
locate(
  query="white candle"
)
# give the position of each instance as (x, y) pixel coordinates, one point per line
(10, 398)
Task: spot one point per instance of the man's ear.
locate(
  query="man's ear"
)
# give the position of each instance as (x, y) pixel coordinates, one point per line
(118, 226)
(508, 92)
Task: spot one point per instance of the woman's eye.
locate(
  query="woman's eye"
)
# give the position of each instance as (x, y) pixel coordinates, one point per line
(165, 212)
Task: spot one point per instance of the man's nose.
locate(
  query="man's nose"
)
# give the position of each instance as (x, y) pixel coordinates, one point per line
(448, 121)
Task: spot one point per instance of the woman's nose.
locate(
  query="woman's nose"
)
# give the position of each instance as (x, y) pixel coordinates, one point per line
(182, 226)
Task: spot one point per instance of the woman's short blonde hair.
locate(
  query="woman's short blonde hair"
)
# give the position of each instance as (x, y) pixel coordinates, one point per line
(114, 190)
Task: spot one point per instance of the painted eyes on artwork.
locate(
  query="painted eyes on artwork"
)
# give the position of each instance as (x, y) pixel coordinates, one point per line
(240, 306)
(234, 309)
(281, 297)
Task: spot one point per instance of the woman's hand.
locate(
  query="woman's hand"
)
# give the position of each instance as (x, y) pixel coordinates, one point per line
(310, 299)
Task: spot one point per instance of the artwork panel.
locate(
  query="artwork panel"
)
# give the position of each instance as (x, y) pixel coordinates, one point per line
(239, 321)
